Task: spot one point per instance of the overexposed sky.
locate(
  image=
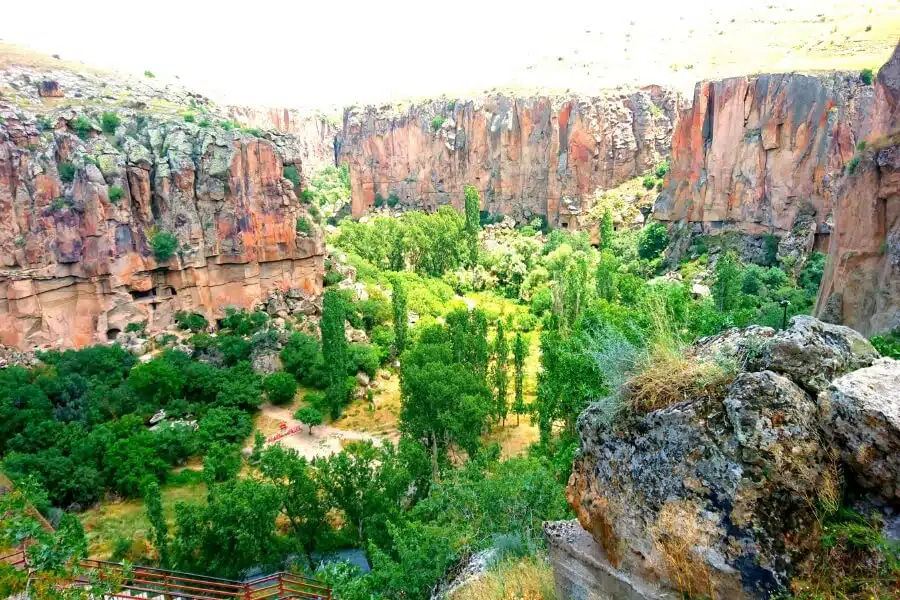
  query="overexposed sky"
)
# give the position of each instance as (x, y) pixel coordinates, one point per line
(312, 53)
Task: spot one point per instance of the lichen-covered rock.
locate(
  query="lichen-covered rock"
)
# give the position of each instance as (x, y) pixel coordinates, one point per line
(861, 415)
(715, 496)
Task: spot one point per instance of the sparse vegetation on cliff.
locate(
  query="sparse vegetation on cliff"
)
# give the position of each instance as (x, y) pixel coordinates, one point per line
(66, 172)
(163, 244)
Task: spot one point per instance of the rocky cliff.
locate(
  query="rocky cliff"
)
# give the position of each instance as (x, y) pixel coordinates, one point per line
(121, 202)
(528, 156)
(721, 494)
(861, 285)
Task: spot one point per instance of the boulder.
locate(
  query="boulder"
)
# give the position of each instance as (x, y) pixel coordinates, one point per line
(716, 495)
(861, 416)
(362, 378)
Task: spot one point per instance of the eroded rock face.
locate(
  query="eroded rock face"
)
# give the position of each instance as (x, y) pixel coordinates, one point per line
(716, 496)
(862, 276)
(78, 213)
(528, 156)
(752, 154)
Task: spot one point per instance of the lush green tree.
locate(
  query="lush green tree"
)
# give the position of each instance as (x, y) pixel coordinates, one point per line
(397, 256)
(569, 379)
(157, 382)
(226, 425)
(280, 387)
(652, 240)
(473, 222)
(468, 339)
(434, 241)
(153, 506)
(520, 354)
(299, 356)
(302, 499)
(570, 277)
(442, 401)
(309, 416)
(607, 230)
(727, 285)
(221, 463)
(334, 350)
(501, 373)
(368, 484)
(607, 276)
(233, 532)
(401, 316)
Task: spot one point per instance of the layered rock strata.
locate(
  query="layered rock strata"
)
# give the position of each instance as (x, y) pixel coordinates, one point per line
(527, 156)
(155, 215)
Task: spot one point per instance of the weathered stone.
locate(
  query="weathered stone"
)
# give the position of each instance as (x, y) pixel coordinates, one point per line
(582, 571)
(812, 353)
(861, 415)
(715, 496)
(362, 378)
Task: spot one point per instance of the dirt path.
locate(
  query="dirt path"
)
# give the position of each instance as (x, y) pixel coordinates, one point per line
(325, 439)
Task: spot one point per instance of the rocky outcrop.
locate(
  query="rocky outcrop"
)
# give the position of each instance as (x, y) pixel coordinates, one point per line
(861, 285)
(862, 414)
(81, 211)
(314, 134)
(715, 496)
(528, 156)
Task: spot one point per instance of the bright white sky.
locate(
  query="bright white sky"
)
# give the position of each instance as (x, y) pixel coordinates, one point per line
(306, 52)
(312, 53)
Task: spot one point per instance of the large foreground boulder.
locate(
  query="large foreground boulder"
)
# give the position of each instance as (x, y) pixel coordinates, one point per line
(716, 495)
(861, 415)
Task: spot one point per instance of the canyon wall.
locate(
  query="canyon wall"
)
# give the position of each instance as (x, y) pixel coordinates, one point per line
(83, 213)
(861, 284)
(753, 154)
(528, 156)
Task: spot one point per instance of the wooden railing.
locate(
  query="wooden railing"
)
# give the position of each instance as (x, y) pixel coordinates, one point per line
(151, 582)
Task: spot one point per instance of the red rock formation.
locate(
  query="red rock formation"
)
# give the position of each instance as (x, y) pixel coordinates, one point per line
(861, 284)
(315, 135)
(528, 156)
(77, 264)
(753, 153)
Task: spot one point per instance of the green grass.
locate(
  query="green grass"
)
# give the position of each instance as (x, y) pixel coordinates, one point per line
(109, 522)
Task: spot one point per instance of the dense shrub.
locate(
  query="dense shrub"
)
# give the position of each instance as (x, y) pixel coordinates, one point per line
(866, 76)
(191, 321)
(653, 240)
(280, 387)
(109, 121)
(82, 127)
(163, 244)
(290, 172)
(66, 171)
(115, 194)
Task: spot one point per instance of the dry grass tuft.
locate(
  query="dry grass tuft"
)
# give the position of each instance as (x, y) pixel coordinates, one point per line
(669, 377)
(528, 578)
(675, 535)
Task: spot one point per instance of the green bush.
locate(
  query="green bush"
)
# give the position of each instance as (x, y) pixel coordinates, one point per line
(280, 387)
(109, 121)
(226, 125)
(649, 182)
(115, 194)
(189, 117)
(191, 321)
(379, 200)
(204, 123)
(306, 196)
(888, 344)
(393, 200)
(861, 145)
(303, 226)
(310, 416)
(82, 127)
(139, 327)
(163, 245)
(66, 171)
(252, 131)
(437, 122)
(332, 277)
(290, 172)
(866, 76)
(662, 169)
(149, 74)
(852, 165)
(652, 240)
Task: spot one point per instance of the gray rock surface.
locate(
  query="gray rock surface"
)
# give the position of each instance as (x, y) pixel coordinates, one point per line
(861, 415)
(715, 495)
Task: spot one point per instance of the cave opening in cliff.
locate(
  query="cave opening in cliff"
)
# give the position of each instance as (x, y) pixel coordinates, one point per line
(142, 294)
(112, 334)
